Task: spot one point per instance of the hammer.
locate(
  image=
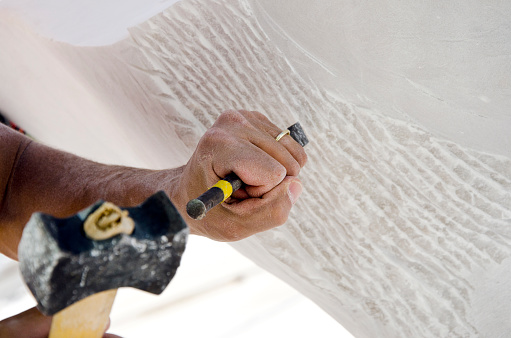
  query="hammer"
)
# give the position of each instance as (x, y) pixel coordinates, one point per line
(73, 266)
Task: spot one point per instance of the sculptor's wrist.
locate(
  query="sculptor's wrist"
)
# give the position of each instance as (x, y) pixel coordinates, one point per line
(178, 193)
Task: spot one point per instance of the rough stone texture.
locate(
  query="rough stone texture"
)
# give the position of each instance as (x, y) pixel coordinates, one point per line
(399, 232)
(61, 265)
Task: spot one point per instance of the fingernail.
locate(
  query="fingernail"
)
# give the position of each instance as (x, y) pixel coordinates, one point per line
(294, 190)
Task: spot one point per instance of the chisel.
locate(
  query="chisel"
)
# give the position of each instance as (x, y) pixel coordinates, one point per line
(224, 188)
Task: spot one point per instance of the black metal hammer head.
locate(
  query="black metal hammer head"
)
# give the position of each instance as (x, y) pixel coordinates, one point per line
(61, 265)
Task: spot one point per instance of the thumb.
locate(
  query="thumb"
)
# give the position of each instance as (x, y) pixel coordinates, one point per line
(294, 190)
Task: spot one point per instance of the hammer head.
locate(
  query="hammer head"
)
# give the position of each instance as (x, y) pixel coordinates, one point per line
(61, 265)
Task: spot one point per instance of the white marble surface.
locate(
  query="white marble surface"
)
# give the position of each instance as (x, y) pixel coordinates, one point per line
(404, 227)
(443, 66)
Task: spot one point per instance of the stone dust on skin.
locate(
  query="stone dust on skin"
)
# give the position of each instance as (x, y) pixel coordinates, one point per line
(396, 226)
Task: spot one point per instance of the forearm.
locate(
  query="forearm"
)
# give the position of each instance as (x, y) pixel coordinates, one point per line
(58, 183)
(38, 178)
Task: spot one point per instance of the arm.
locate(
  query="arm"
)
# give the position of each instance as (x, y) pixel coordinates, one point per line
(38, 178)
(34, 177)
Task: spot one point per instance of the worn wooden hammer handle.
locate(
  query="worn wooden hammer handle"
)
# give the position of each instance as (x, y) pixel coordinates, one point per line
(87, 318)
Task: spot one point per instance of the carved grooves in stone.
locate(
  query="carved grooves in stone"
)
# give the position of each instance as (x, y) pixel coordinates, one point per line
(401, 220)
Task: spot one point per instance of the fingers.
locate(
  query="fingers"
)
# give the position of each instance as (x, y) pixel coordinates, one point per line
(30, 323)
(287, 142)
(254, 215)
(245, 143)
(256, 168)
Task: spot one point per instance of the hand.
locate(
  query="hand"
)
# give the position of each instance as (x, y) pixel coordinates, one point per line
(32, 324)
(242, 142)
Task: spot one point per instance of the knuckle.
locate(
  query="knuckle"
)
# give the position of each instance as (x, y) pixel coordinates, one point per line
(294, 167)
(214, 135)
(230, 117)
(276, 174)
(211, 140)
(245, 113)
(280, 215)
(233, 120)
(280, 173)
(259, 116)
(302, 158)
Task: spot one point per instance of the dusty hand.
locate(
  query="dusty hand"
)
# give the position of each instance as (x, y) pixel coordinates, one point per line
(242, 142)
(31, 323)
